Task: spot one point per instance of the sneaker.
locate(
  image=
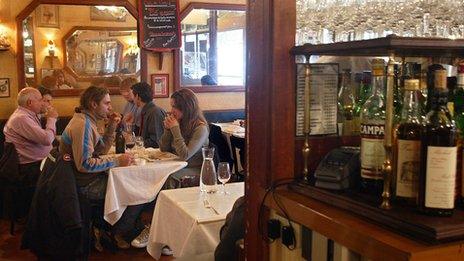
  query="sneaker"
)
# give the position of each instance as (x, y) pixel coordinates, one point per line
(166, 251)
(141, 240)
(121, 243)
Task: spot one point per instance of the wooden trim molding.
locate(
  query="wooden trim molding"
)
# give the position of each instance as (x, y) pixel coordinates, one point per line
(177, 59)
(33, 5)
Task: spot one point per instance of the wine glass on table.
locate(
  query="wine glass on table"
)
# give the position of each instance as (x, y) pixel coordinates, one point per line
(130, 141)
(223, 175)
(139, 144)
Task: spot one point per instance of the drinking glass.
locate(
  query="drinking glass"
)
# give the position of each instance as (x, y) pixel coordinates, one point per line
(139, 143)
(223, 175)
(130, 140)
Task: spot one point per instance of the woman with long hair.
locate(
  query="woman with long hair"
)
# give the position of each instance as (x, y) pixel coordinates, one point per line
(186, 132)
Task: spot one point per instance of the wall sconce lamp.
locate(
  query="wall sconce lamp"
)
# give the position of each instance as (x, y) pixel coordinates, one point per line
(51, 48)
(51, 61)
(4, 41)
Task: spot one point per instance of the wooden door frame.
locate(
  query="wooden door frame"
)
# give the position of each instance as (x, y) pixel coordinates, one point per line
(270, 107)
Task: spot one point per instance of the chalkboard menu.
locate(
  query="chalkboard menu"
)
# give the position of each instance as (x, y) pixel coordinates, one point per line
(159, 25)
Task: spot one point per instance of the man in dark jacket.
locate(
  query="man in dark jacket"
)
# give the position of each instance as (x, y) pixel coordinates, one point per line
(233, 230)
(151, 126)
(55, 228)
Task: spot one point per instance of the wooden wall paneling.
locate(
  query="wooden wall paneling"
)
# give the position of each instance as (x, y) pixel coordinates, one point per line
(270, 108)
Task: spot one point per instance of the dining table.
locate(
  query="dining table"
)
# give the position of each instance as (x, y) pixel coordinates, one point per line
(229, 129)
(140, 183)
(189, 221)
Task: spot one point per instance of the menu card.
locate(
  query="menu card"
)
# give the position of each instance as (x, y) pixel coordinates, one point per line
(323, 103)
(159, 25)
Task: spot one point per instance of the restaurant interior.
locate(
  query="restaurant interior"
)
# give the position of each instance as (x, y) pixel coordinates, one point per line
(325, 130)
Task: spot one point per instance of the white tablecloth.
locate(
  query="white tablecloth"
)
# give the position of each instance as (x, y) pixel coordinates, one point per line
(135, 185)
(232, 129)
(182, 222)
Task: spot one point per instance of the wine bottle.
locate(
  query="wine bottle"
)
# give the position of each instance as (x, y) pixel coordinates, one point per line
(459, 118)
(430, 82)
(408, 144)
(120, 140)
(438, 154)
(372, 132)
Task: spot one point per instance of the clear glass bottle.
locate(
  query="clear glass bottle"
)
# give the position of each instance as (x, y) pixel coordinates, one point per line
(408, 144)
(208, 178)
(372, 132)
(346, 104)
(438, 154)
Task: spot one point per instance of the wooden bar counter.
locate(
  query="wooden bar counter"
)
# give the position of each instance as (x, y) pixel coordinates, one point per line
(357, 234)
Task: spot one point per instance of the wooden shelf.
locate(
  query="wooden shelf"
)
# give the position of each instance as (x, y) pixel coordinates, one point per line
(355, 233)
(401, 219)
(392, 44)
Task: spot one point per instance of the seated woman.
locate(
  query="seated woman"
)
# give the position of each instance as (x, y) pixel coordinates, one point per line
(186, 132)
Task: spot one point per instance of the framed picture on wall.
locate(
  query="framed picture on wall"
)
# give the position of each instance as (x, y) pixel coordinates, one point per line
(4, 87)
(47, 16)
(160, 85)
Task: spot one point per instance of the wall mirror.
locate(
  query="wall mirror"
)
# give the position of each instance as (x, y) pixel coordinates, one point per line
(212, 56)
(98, 51)
(85, 42)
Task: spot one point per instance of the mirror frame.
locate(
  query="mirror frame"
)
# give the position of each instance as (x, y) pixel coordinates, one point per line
(20, 43)
(210, 88)
(93, 28)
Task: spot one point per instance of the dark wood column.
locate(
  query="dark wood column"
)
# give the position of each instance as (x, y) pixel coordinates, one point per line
(270, 106)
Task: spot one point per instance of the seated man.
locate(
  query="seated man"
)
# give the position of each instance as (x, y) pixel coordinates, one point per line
(131, 113)
(231, 231)
(32, 143)
(82, 141)
(151, 125)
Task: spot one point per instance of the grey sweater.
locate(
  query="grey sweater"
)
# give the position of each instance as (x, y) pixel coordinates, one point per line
(152, 121)
(188, 150)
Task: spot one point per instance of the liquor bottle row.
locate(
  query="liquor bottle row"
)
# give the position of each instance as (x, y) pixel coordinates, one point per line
(428, 123)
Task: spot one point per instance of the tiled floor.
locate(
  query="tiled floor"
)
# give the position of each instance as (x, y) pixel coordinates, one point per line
(9, 249)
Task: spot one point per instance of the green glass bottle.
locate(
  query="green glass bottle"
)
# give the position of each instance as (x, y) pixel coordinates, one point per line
(459, 99)
(372, 132)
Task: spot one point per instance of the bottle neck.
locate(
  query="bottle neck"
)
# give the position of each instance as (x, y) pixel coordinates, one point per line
(411, 110)
(378, 85)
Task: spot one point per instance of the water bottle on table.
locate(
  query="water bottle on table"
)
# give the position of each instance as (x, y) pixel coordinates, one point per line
(208, 178)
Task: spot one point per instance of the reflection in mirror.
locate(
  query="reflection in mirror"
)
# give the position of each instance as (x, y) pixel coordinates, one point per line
(213, 48)
(69, 46)
(98, 52)
(29, 51)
